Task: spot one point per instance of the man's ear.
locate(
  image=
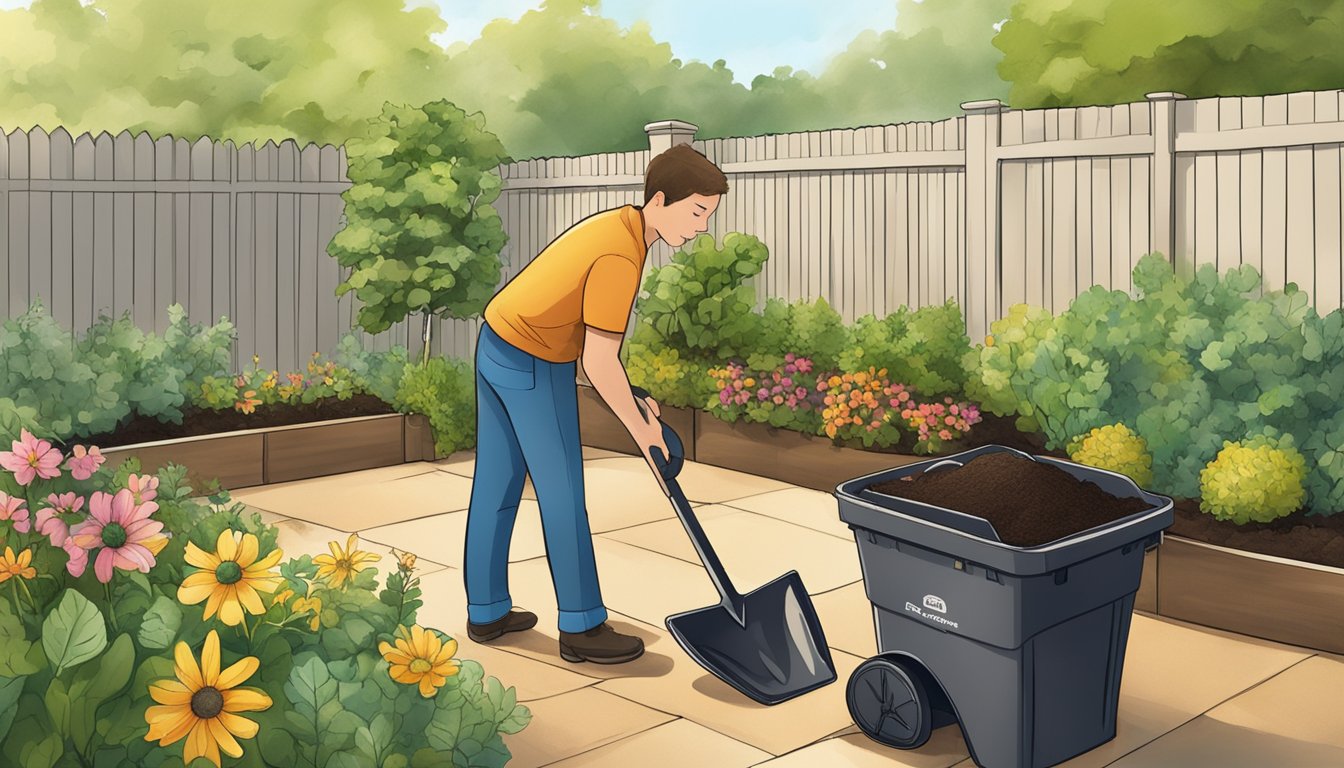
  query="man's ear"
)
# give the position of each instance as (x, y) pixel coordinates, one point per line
(659, 199)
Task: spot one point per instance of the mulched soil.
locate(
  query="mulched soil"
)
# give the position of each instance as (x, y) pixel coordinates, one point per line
(198, 421)
(1029, 503)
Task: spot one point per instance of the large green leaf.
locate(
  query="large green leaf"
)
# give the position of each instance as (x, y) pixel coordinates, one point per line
(73, 632)
(161, 623)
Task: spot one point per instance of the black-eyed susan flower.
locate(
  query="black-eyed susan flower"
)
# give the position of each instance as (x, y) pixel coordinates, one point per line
(202, 704)
(230, 577)
(343, 563)
(421, 658)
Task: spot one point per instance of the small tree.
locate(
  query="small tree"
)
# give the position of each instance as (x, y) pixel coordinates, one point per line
(420, 232)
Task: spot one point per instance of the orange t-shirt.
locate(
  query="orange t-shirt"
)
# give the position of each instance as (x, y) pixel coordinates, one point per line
(589, 275)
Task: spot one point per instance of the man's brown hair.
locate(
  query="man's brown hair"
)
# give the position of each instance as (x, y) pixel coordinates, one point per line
(681, 172)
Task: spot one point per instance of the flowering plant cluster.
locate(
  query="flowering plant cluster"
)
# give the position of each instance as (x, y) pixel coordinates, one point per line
(859, 405)
(147, 627)
(247, 390)
(784, 396)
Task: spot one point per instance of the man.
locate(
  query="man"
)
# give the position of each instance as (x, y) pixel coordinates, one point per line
(570, 305)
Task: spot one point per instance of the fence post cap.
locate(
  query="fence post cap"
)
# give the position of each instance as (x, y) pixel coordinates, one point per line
(988, 105)
(671, 126)
(1164, 96)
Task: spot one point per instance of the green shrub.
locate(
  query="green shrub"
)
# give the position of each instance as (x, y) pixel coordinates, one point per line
(1114, 447)
(1255, 480)
(378, 373)
(700, 302)
(444, 390)
(924, 349)
(89, 386)
(669, 378)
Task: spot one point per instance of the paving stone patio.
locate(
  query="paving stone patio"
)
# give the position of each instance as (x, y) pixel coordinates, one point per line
(1190, 696)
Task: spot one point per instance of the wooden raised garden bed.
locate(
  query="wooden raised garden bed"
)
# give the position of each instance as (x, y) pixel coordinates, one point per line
(1274, 598)
(274, 454)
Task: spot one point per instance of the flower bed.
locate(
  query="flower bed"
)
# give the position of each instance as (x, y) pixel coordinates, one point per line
(146, 627)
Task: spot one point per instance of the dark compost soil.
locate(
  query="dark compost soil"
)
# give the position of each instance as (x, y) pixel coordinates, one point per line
(1029, 503)
(1299, 536)
(198, 421)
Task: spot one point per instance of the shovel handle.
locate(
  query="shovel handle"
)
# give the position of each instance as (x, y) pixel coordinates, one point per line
(732, 599)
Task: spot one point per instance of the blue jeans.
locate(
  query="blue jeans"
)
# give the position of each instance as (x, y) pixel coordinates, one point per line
(527, 422)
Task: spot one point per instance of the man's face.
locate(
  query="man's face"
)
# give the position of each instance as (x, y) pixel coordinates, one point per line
(686, 218)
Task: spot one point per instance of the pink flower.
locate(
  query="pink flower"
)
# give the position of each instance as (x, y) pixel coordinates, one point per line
(79, 558)
(31, 457)
(84, 462)
(12, 509)
(142, 487)
(49, 520)
(119, 530)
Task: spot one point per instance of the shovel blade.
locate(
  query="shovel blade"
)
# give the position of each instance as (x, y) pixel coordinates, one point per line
(776, 652)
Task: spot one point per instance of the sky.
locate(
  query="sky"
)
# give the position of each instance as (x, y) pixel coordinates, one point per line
(751, 36)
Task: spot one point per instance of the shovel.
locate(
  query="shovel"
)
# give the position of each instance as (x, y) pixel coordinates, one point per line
(768, 644)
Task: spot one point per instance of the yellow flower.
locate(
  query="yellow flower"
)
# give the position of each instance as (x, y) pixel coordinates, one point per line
(420, 657)
(282, 596)
(230, 578)
(405, 561)
(343, 564)
(989, 340)
(155, 544)
(202, 704)
(17, 566)
(314, 604)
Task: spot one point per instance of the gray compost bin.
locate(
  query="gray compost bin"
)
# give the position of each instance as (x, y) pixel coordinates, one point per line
(1023, 645)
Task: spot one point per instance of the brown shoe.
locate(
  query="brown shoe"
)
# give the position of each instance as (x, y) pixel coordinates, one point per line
(514, 621)
(600, 645)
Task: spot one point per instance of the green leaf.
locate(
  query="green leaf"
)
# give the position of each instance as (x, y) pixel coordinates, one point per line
(42, 754)
(15, 650)
(161, 623)
(73, 632)
(517, 720)
(10, 688)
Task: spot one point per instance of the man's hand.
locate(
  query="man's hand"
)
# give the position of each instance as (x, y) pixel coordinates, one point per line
(602, 365)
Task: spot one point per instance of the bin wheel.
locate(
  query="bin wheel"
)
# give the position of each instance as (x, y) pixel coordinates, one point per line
(889, 702)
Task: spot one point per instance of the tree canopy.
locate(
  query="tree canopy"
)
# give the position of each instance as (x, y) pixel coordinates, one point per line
(565, 80)
(1058, 53)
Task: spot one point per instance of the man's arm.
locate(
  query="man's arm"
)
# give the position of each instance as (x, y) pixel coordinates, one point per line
(602, 365)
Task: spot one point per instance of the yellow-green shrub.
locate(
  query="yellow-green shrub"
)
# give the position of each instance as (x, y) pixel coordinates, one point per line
(1115, 448)
(1255, 480)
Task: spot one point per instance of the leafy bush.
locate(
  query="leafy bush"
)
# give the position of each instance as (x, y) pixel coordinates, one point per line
(420, 232)
(113, 601)
(1255, 480)
(669, 378)
(378, 373)
(445, 391)
(925, 348)
(783, 397)
(89, 386)
(1002, 367)
(1114, 447)
(700, 303)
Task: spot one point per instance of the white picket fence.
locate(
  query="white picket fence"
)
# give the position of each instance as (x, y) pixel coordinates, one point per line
(990, 208)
